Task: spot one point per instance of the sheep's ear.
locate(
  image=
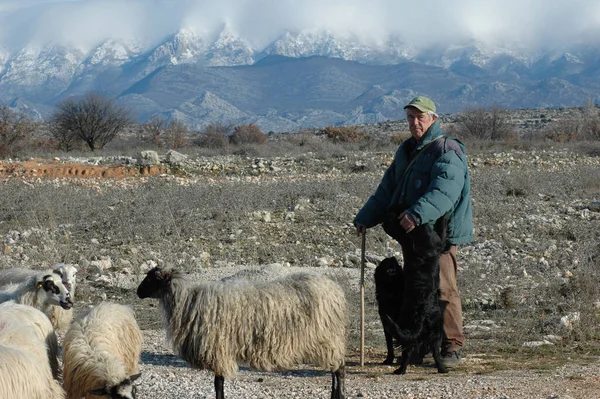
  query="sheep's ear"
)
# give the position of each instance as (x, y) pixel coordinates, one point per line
(49, 285)
(99, 392)
(43, 283)
(134, 377)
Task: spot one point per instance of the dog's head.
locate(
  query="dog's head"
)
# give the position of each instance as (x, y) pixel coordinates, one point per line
(429, 241)
(389, 279)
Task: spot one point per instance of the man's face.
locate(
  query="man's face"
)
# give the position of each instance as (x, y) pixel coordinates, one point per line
(418, 122)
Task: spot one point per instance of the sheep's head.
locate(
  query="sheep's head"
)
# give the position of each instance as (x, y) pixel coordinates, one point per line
(123, 390)
(56, 292)
(154, 283)
(68, 273)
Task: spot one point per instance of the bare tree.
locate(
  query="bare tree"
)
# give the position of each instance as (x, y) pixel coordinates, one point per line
(591, 120)
(166, 133)
(94, 119)
(15, 129)
(488, 124)
(153, 129)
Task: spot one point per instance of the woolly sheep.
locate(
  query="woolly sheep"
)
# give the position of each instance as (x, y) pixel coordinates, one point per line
(12, 312)
(101, 352)
(42, 291)
(268, 326)
(24, 369)
(60, 318)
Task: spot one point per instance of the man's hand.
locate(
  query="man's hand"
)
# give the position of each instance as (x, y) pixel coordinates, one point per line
(360, 229)
(407, 221)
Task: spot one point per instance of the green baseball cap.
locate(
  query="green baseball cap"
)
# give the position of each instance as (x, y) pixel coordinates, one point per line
(421, 103)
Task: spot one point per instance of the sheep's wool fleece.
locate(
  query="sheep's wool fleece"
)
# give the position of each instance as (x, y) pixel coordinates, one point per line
(300, 318)
(15, 312)
(24, 368)
(103, 347)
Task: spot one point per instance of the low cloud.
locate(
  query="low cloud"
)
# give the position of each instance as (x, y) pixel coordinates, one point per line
(85, 23)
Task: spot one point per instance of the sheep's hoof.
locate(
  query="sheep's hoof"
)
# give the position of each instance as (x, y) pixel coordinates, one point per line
(400, 371)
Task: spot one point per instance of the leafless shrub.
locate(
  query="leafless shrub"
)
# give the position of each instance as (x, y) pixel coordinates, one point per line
(488, 124)
(398, 137)
(214, 135)
(581, 124)
(15, 129)
(94, 119)
(247, 134)
(344, 134)
(165, 133)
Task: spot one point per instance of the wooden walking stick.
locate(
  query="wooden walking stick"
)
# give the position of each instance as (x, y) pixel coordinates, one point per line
(362, 297)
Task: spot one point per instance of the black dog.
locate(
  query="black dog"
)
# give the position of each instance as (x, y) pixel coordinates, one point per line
(419, 324)
(389, 287)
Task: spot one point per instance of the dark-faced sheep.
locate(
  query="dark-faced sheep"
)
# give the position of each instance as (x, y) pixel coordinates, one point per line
(269, 326)
(101, 353)
(419, 326)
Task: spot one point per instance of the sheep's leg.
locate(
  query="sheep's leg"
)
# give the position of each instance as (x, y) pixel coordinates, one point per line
(337, 383)
(404, 363)
(219, 380)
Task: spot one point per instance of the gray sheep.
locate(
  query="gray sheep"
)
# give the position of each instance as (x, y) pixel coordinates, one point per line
(274, 325)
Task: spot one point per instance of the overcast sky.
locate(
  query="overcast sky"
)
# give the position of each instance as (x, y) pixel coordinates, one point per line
(85, 23)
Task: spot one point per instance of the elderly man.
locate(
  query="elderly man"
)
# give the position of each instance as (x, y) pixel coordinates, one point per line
(429, 177)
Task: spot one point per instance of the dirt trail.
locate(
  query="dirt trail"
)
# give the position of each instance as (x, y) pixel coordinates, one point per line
(55, 169)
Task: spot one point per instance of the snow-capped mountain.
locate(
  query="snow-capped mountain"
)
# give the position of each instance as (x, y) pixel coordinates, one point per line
(299, 79)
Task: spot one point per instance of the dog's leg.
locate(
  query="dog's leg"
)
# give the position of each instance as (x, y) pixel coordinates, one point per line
(404, 363)
(437, 356)
(389, 341)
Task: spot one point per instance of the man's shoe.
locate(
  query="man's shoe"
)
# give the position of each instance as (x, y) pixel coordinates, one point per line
(451, 359)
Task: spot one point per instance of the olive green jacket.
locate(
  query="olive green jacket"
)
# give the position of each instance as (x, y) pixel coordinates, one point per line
(437, 182)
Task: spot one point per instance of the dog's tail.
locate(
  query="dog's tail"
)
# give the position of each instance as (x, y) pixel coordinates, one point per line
(402, 336)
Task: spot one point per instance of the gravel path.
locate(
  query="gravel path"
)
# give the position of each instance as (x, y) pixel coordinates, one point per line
(480, 375)
(166, 376)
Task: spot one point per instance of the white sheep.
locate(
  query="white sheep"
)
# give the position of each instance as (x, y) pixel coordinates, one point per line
(274, 325)
(101, 352)
(12, 312)
(60, 318)
(42, 291)
(24, 369)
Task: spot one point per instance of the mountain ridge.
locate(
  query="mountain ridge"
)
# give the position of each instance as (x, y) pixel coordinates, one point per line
(296, 80)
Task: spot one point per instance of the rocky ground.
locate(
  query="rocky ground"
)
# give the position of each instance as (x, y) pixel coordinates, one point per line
(529, 282)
